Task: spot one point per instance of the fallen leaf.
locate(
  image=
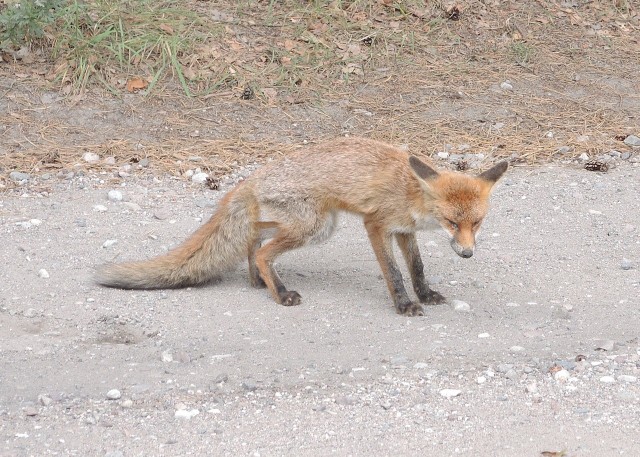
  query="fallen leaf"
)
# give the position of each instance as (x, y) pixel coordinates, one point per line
(553, 453)
(166, 28)
(136, 83)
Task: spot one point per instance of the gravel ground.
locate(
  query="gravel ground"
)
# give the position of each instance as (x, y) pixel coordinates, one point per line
(543, 355)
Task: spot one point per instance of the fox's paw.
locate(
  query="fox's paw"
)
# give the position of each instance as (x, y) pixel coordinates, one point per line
(410, 309)
(432, 298)
(290, 298)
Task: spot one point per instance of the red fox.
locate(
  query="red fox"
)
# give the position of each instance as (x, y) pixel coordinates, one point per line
(295, 201)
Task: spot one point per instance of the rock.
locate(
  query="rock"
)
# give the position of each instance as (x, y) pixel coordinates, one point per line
(626, 264)
(29, 313)
(561, 375)
(126, 404)
(516, 349)
(114, 394)
(584, 157)
(19, 176)
(504, 367)
(420, 366)
(199, 177)
(483, 335)
(30, 411)
(461, 306)
(531, 388)
(481, 379)
(166, 356)
(186, 414)
(144, 163)
(607, 379)
(511, 374)
(506, 85)
(627, 378)
(632, 141)
(450, 393)
(250, 385)
(604, 345)
(115, 196)
(100, 208)
(345, 400)
(90, 157)
(565, 149)
(109, 243)
(183, 357)
(443, 155)
(44, 400)
(43, 273)
(399, 361)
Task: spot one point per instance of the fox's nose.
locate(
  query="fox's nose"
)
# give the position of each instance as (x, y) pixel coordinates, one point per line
(466, 253)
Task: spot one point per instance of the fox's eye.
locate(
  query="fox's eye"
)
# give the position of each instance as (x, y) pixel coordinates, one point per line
(452, 224)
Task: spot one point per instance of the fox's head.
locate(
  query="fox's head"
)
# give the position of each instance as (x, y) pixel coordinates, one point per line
(460, 202)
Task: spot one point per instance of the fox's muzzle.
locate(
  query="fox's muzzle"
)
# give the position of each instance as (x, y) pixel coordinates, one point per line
(463, 251)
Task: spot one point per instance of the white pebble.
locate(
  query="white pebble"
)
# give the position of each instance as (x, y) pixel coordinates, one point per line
(109, 243)
(561, 375)
(420, 366)
(199, 177)
(532, 388)
(90, 157)
(186, 414)
(450, 393)
(506, 85)
(188, 173)
(461, 306)
(443, 155)
(484, 335)
(115, 195)
(35, 222)
(516, 349)
(114, 394)
(627, 378)
(100, 208)
(481, 379)
(43, 273)
(607, 379)
(166, 356)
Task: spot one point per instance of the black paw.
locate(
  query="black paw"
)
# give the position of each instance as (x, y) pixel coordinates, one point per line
(431, 297)
(410, 309)
(290, 298)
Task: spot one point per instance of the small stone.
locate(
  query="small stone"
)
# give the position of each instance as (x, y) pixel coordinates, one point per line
(443, 155)
(584, 157)
(30, 411)
(511, 374)
(144, 163)
(319, 408)
(44, 400)
(506, 85)
(607, 379)
(483, 335)
(516, 349)
(19, 176)
(250, 385)
(90, 157)
(345, 400)
(399, 361)
(632, 141)
(114, 394)
(126, 404)
(43, 273)
(183, 357)
(115, 196)
(199, 177)
(222, 377)
(450, 393)
(461, 306)
(162, 214)
(604, 345)
(582, 138)
(420, 366)
(481, 379)
(565, 149)
(532, 388)
(561, 375)
(166, 356)
(29, 313)
(100, 208)
(627, 378)
(626, 264)
(186, 414)
(109, 243)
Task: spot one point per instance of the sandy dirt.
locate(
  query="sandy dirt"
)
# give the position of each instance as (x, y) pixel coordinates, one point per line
(222, 370)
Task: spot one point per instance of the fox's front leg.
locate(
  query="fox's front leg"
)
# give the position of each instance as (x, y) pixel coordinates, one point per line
(409, 247)
(381, 243)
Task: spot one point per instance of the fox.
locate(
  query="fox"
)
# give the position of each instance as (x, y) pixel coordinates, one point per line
(295, 200)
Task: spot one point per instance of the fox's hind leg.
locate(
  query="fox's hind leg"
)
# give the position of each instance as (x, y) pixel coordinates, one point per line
(283, 241)
(409, 247)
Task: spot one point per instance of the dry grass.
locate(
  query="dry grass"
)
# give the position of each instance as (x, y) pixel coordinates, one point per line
(394, 70)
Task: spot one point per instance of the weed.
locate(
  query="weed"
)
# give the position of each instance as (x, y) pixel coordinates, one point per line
(522, 52)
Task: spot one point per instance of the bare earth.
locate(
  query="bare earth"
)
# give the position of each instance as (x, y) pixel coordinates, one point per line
(341, 374)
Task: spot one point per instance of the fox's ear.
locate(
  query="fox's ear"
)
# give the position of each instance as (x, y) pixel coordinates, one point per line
(423, 170)
(494, 173)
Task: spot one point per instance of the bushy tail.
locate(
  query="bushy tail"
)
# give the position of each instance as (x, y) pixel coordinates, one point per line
(214, 248)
